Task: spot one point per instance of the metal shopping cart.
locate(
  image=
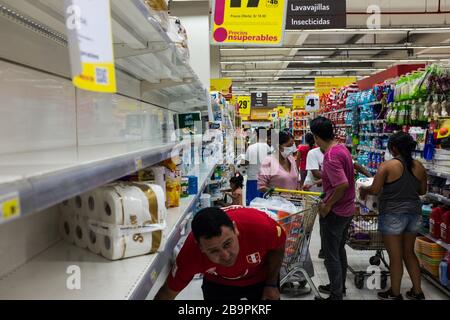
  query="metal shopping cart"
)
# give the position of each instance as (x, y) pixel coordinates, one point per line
(363, 235)
(298, 228)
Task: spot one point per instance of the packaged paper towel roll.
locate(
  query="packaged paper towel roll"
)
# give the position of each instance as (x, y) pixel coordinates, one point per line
(154, 205)
(66, 207)
(371, 201)
(160, 177)
(122, 205)
(94, 241)
(67, 226)
(81, 234)
(127, 246)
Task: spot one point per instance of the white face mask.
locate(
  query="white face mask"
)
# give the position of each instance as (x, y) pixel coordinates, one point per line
(288, 151)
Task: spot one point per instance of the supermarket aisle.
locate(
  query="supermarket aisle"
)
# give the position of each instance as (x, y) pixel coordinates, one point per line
(357, 259)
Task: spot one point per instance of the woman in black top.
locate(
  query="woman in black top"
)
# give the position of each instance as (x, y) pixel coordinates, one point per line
(399, 183)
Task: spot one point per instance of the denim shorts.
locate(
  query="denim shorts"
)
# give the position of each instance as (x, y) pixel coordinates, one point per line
(399, 223)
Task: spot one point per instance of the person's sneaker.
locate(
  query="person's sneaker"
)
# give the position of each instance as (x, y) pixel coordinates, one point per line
(321, 254)
(415, 296)
(387, 295)
(326, 289)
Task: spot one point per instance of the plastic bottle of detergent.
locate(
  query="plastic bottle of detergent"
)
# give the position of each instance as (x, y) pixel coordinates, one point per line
(435, 222)
(445, 227)
(444, 271)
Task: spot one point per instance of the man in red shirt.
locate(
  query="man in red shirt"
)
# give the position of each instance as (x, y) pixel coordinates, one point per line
(238, 250)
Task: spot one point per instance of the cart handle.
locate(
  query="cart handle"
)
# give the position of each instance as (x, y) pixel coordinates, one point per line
(300, 192)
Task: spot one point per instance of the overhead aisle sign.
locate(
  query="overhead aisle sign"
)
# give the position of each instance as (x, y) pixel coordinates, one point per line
(316, 14)
(312, 102)
(259, 100)
(298, 101)
(225, 86)
(325, 85)
(248, 22)
(90, 44)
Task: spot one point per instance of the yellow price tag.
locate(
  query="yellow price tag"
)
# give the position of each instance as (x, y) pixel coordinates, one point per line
(138, 163)
(244, 105)
(10, 207)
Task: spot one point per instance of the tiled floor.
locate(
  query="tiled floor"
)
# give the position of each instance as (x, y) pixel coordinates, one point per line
(357, 259)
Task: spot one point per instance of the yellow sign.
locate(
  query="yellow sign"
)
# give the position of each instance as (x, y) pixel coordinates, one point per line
(248, 22)
(224, 86)
(298, 101)
(282, 112)
(244, 105)
(259, 114)
(90, 40)
(9, 207)
(325, 85)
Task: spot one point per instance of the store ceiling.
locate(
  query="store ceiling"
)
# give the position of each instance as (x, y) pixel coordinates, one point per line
(412, 31)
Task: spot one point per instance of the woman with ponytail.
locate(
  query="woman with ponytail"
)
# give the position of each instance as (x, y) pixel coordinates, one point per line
(400, 182)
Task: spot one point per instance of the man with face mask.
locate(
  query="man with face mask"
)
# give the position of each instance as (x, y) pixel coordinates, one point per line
(239, 250)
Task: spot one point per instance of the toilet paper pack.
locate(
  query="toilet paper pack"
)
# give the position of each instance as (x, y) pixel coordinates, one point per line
(371, 201)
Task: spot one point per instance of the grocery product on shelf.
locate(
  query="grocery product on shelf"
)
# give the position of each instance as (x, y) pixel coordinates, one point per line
(177, 33)
(118, 221)
(160, 12)
(435, 222)
(444, 271)
(445, 227)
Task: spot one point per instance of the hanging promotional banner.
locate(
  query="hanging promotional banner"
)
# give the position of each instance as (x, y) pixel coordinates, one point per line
(316, 14)
(298, 101)
(259, 100)
(225, 86)
(325, 85)
(91, 45)
(248, 22)
(312, 102)
(244, 105)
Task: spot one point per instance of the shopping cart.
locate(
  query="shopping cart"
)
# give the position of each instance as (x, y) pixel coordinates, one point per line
(298, 228)
(363, 235)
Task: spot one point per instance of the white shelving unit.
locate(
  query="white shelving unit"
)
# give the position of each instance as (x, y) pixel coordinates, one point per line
(438, 197)
(44, 277)
(142, 47)
(371, 149)
(64, 141)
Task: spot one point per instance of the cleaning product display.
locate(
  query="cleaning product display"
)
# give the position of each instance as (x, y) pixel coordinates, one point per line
(118, 221)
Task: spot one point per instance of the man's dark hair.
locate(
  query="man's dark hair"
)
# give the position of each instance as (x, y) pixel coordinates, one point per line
(323, 128)
(208, 222)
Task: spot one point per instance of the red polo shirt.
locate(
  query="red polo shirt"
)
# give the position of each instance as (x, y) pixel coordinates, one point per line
(258, 234)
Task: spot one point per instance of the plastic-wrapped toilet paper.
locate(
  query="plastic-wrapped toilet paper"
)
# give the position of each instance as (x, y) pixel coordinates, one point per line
(94, 241)
(160, 177)
(67, 226)
(81, 233)
(127, 246)
(123, 205)
(140, 233)
(371, 201)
